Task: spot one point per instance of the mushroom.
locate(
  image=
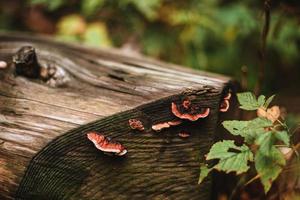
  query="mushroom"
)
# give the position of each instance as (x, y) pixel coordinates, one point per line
(3, 64)
(174, 123)
(136, 124)
(191, 117)
(183, 134)
(106, 145)
(228, 96)
(224, 106)
(160, 126)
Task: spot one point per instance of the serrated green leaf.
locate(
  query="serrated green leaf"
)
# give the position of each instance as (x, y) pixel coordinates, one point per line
(235, 127)
(220, 150)
(247, 129)
(265, 142)
(236, 163)
(248, 101)
(261, 100)
(204, 171)
(230, 161)
(269, 100)
(283, 136)
(269, 167)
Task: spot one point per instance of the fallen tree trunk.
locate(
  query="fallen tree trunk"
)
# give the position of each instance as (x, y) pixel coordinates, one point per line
(44, 151)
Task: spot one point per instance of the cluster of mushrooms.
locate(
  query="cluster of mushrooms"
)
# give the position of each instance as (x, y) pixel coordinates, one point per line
(185, 111)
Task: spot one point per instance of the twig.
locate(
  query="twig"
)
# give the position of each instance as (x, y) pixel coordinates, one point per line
(265, 31)
(253, 179)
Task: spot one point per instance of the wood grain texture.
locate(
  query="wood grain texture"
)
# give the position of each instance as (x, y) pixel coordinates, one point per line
(44, 153)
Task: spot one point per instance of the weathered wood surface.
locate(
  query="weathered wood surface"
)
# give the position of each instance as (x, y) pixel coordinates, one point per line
(39, 160)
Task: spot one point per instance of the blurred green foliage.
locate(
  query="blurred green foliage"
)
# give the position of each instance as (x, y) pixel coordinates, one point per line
(214, 35)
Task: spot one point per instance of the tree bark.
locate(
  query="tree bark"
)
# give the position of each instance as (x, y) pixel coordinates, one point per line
(44, 151)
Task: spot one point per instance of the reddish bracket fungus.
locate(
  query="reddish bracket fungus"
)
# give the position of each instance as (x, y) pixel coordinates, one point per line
(228, 96)
(106, 145)
(189, 116)
(225, 103)
(183, 134)
(136, 124)
(160, 126)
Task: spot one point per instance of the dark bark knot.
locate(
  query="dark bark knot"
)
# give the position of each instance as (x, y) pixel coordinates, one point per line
(27, 64)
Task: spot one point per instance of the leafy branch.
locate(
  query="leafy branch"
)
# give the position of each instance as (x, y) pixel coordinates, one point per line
(262, 138)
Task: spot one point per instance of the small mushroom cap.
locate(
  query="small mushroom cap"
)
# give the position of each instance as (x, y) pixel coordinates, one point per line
(228, 96)
(136, 124)
(224, 106)
(106, 145)
(174, 123)
(191, 117)
(184, 134)
(122, 153)
(160, 126)
(95, 137)
(3, 64)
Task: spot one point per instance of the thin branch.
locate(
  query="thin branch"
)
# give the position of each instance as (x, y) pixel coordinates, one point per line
(262, 53)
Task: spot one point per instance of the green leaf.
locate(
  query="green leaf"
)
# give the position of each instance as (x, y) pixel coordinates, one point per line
(261, 100)
(204, 171)
(148, 8)
(220, 150)
(235, 127)
(51, 5)
(265, 142)
(232, 158)
(269, 167)
(269, 100)
(247, 129)
(89, 7)
(248, 101)
(283, 136)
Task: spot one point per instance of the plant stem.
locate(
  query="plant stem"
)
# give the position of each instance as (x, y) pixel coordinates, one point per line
(262, 53)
